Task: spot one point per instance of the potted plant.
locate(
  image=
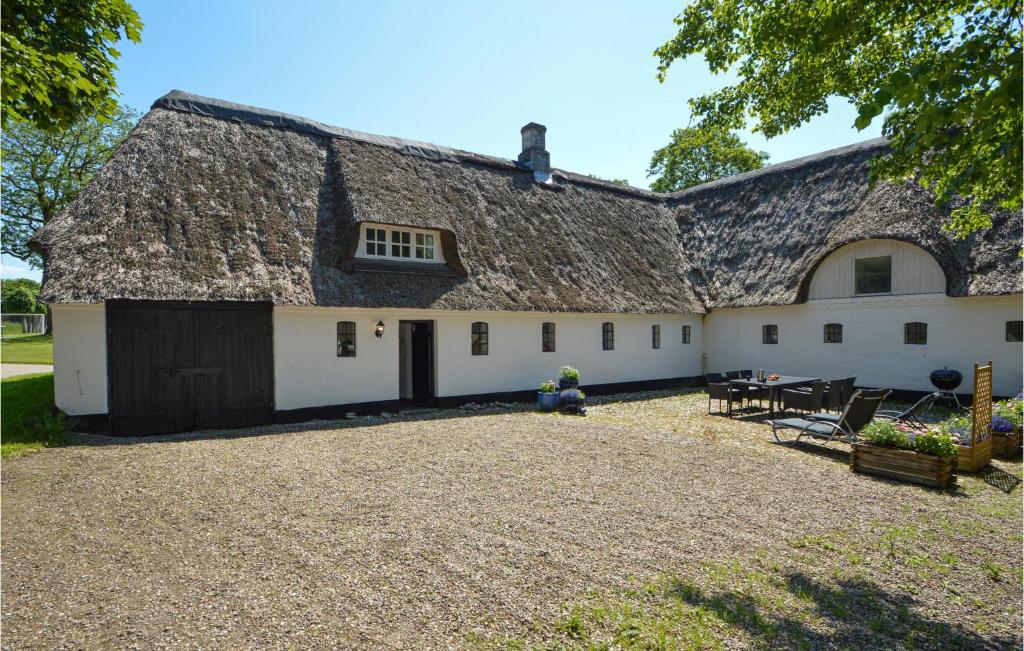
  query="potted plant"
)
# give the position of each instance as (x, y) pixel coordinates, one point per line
(887, 450)
(547, 396)
(572, 401)
(570, 378)
(1007, 418)
(973, 452)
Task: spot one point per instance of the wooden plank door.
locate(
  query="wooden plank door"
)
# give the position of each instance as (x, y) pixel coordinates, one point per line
(175, 367)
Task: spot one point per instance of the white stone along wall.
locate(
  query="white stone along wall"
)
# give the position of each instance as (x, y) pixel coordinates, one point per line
(80, 358)
(961, 331)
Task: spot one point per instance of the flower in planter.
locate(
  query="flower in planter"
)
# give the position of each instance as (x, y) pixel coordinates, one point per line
(548, 386)
(936, 444)
(886, 434)
(1001, 425)
(569, 373)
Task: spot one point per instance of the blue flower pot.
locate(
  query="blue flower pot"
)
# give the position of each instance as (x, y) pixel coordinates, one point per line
(566, 383)
(547, 401)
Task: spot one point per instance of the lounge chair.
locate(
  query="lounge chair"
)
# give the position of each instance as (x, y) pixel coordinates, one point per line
(911, 413)
(719, 389)
(857, 413)
(806, 401)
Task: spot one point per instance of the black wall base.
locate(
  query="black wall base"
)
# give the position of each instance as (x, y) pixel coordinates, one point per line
(530, 395)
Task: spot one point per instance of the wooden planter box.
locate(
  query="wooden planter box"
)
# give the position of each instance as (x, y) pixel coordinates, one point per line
(905, 465)
(1006, 446)
(976, 457)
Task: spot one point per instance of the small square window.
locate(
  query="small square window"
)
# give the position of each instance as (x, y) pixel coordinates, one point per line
(915, 333)
(424, 246)
(479, 338)
(376, 241)
(769, 334)
(872, 275)
(833, 333)
(607, 336)
(655, 336)
(686, 334)
(346, 339)
(547, 337)
(1013, 331)
(401, 244)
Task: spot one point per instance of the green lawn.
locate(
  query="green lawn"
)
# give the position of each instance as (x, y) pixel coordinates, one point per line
(27, 349)
(27, 421)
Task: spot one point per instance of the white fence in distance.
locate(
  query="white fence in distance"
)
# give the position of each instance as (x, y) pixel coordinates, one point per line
(22, 324)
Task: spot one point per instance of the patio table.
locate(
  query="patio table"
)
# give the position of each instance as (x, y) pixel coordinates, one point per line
(774, 387)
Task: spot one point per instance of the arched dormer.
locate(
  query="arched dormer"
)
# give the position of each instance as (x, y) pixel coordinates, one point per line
(876, 268)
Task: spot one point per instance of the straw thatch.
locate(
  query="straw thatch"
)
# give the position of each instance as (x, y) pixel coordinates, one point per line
(213, 201)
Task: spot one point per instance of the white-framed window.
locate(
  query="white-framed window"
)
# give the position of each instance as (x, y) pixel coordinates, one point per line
(424, 246)
(376, 242)
(399, 243)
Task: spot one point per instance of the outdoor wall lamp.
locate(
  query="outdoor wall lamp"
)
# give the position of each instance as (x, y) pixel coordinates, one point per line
(379, 330)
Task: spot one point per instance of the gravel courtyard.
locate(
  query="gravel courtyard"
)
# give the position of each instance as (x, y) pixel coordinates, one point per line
(645, 522)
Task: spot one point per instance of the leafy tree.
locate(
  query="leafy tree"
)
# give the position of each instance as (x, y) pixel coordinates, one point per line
(58, 59)
(697, 155)
(19, 301)
(43, 172)
(616, 181)
(944, 78)
(21, 296)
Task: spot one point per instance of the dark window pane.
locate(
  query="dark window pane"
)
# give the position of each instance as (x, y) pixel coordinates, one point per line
(655, 336)
(915, 333)
(1013, 331)
(872, 275)
(547, 337)
(346, 339)
(479, 338)
(686, 334)
(833, 333)
(607, 336)
(770, 334)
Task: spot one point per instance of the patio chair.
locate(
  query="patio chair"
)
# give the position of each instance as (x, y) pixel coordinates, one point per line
(754, 393)
(719, 389)
(837, 393)
(806, 401)
(857, 413)
(911, 413)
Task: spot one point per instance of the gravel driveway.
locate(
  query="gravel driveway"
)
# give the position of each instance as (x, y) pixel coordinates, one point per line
(454, 528)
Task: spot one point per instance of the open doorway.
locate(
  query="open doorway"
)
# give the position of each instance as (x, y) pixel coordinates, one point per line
(416, 361)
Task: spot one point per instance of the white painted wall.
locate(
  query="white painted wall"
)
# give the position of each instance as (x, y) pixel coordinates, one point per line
(515, 361)
(914, 270)
(308, 373)
(961, 331)
(80, 358)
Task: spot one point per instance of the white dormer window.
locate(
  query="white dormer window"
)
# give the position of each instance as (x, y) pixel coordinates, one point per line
(399, 243)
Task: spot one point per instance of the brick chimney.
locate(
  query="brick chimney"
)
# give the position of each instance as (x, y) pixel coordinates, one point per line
(534, 155)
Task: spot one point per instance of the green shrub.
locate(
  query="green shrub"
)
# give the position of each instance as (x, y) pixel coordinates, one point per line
(936, 444)
(548, 386)
(569, 373)
(885, 434)
(1011, 410)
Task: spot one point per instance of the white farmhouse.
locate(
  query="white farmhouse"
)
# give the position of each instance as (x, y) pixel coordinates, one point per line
(232, 266)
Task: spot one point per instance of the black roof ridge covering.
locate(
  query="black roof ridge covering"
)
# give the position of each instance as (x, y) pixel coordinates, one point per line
(785, 166)
(179, 100)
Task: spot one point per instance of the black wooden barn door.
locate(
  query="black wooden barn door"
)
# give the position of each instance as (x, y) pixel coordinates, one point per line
(174, 367)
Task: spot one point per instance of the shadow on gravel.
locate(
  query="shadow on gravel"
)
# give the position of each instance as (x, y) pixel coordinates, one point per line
(860, 614)
(1004, 481)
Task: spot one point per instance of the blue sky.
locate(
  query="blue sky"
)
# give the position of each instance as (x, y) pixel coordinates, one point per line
(461, 74)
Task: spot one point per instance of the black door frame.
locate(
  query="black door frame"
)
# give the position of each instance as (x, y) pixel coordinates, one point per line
(431, 398)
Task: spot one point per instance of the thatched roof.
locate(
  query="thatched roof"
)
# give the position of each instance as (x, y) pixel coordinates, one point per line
(213, 201)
